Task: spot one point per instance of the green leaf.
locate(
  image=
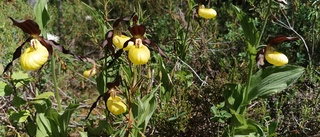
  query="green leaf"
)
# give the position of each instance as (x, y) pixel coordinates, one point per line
(42, 105)
(45, 122)
(42, 101)
(45, 95)
(225, 114)
(20, 116)
(214, 110)
(65, 118)
(31, 128)
(41, 13)
(238, 119)
(5, 89)
(272, 80)
(165, 77)
(123, 132)
(53, 115)
(172, 118)
(252, 129)
(144, 109)
(83, 134)
(253, 134)
(249, 29)
(150, 104)
(103, 126)
(43, 125)
(20, 78)
(101, 83)
(233, 95)
(219, 114)
(19, 75)
(257, 126)
(272, 128)
(18, 101)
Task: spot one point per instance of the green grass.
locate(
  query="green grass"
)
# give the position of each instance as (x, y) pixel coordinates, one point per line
(216, 51)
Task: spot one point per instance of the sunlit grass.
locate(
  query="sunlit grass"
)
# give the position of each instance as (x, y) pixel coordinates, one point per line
(215, 51)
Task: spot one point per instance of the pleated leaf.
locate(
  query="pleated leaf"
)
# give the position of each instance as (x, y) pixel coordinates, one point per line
(273, 80)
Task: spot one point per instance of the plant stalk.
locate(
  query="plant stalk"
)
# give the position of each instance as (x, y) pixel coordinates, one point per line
(130, 98)
(252, 58)
(54, 76)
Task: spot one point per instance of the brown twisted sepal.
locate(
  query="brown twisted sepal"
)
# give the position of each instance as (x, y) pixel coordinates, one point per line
(27, 26)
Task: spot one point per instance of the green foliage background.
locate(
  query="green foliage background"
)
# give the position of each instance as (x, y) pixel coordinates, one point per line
(216, 51)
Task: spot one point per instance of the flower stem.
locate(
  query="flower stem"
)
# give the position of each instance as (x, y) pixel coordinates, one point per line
(131, 92)
(252, 59)
(56, 91)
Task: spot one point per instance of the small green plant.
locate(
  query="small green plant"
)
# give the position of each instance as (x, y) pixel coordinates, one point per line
(125, 84)
(219, 114)
(259, 85)
(37, 114)
(158, 72)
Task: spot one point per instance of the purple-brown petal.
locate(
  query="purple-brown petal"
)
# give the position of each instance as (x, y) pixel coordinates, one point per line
(16, 55)
(45, 44)
(114, 83)
(135, 19)
(280, 39)
(94, 105)
(116, 56)
(137, 30)
(51, 43)
(108, 42)
(118, 21)
(155, 46)
(28, 26)
(127, 42)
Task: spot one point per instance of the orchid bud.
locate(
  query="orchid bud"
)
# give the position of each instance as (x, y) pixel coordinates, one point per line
(115, 105)
(207, 13)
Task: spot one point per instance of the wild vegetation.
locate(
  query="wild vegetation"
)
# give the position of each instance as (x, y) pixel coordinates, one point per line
(159, 68)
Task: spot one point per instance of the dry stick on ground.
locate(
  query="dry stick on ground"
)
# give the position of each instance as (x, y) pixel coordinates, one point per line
(195, 73)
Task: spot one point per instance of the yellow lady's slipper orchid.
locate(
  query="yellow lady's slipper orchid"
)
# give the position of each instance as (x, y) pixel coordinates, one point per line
(41, 48)
(34, 56)
(115, 105)
(207, 13)
(274, 57)
(119, 41)
(139, 54)
(89, 73)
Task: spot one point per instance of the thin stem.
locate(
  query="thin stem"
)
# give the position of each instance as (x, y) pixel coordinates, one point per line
(135, 75)
(60, 18)
(264, 24)
(184, 41)
(313, 34)
(56, 91)
(252, 57)
(305, 45)
(194, 72)
(130, 96)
